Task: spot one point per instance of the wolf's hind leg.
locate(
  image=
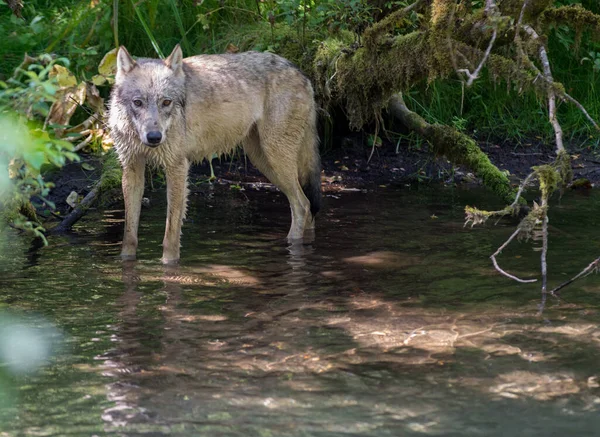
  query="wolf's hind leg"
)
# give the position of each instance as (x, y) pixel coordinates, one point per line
(177, 193)
(279, 163)
(133, 190)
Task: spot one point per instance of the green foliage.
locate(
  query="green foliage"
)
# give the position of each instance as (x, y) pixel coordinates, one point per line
(79, 30)
(111, 173)
(31, 90)
(353, 15)
(82, 31)
(23, 151)
(25, 146)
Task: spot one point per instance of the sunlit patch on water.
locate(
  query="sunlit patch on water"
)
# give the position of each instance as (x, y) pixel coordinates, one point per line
(390, 323)
(26, 344)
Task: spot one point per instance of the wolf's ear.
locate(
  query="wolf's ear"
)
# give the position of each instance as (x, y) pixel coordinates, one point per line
(125, 62)
(175, 60)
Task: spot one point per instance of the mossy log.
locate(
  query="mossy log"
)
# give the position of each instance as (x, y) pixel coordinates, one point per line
(366, 80)
(398, 53)
(456, 146)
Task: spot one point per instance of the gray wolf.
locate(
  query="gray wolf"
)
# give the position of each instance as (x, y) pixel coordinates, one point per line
(173, 112)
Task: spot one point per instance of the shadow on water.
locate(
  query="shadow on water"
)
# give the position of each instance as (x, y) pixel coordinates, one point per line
(393, 322)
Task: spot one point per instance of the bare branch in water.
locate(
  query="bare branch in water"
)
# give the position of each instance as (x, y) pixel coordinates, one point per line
(594, 266)
(497, 252)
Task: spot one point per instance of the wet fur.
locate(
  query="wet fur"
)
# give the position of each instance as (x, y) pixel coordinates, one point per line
(215, 102)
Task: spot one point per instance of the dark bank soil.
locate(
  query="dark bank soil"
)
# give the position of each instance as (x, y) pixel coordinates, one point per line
(347, 168)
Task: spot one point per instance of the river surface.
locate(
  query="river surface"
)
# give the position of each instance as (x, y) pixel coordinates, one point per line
(392, 323)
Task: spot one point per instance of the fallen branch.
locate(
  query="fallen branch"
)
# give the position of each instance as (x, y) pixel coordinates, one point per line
(79, 211)
(476, 216)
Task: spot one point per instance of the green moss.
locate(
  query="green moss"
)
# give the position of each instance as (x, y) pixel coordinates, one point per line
(460, 149)
(563, 166)
(290, 42)
(549, 179)
(531, 220)
(325, 65)
(393, 22)
(364, 79)
(111, 171)
(557, 175)
(110, 180)
(477, 216)
(534, 8)
(442, 24)
(575, 16)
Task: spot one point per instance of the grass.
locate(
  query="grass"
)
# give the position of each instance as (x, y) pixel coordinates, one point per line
(496, 112)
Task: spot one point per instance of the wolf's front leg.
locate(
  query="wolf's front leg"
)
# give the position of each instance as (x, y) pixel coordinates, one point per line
(177, 203)
(133, 190)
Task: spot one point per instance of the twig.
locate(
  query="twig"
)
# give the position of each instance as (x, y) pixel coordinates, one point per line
(547, 75)
(526, 154)
(490, 9)
(552, 92)
(84, 143)
(517, 196)
(581, 108)
(86, 124)
(521, 188)
(517, 35)
(374, 140)
(514, 234)
(411, 7)
(594, 265)
(497, 252)
(544, 246)
(475, 75)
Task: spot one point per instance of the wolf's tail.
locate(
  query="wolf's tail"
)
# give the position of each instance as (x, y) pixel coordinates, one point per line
(310, 168)
(312, 188)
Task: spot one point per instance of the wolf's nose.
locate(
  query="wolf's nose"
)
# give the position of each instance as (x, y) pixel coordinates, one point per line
(154, 137)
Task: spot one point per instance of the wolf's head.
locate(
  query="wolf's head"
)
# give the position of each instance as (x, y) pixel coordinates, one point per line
(150, 93)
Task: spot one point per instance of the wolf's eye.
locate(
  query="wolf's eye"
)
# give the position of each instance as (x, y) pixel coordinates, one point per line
(137, 102)
(167, 102)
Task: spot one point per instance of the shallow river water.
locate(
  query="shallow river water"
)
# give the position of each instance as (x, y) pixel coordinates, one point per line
(392, 323)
